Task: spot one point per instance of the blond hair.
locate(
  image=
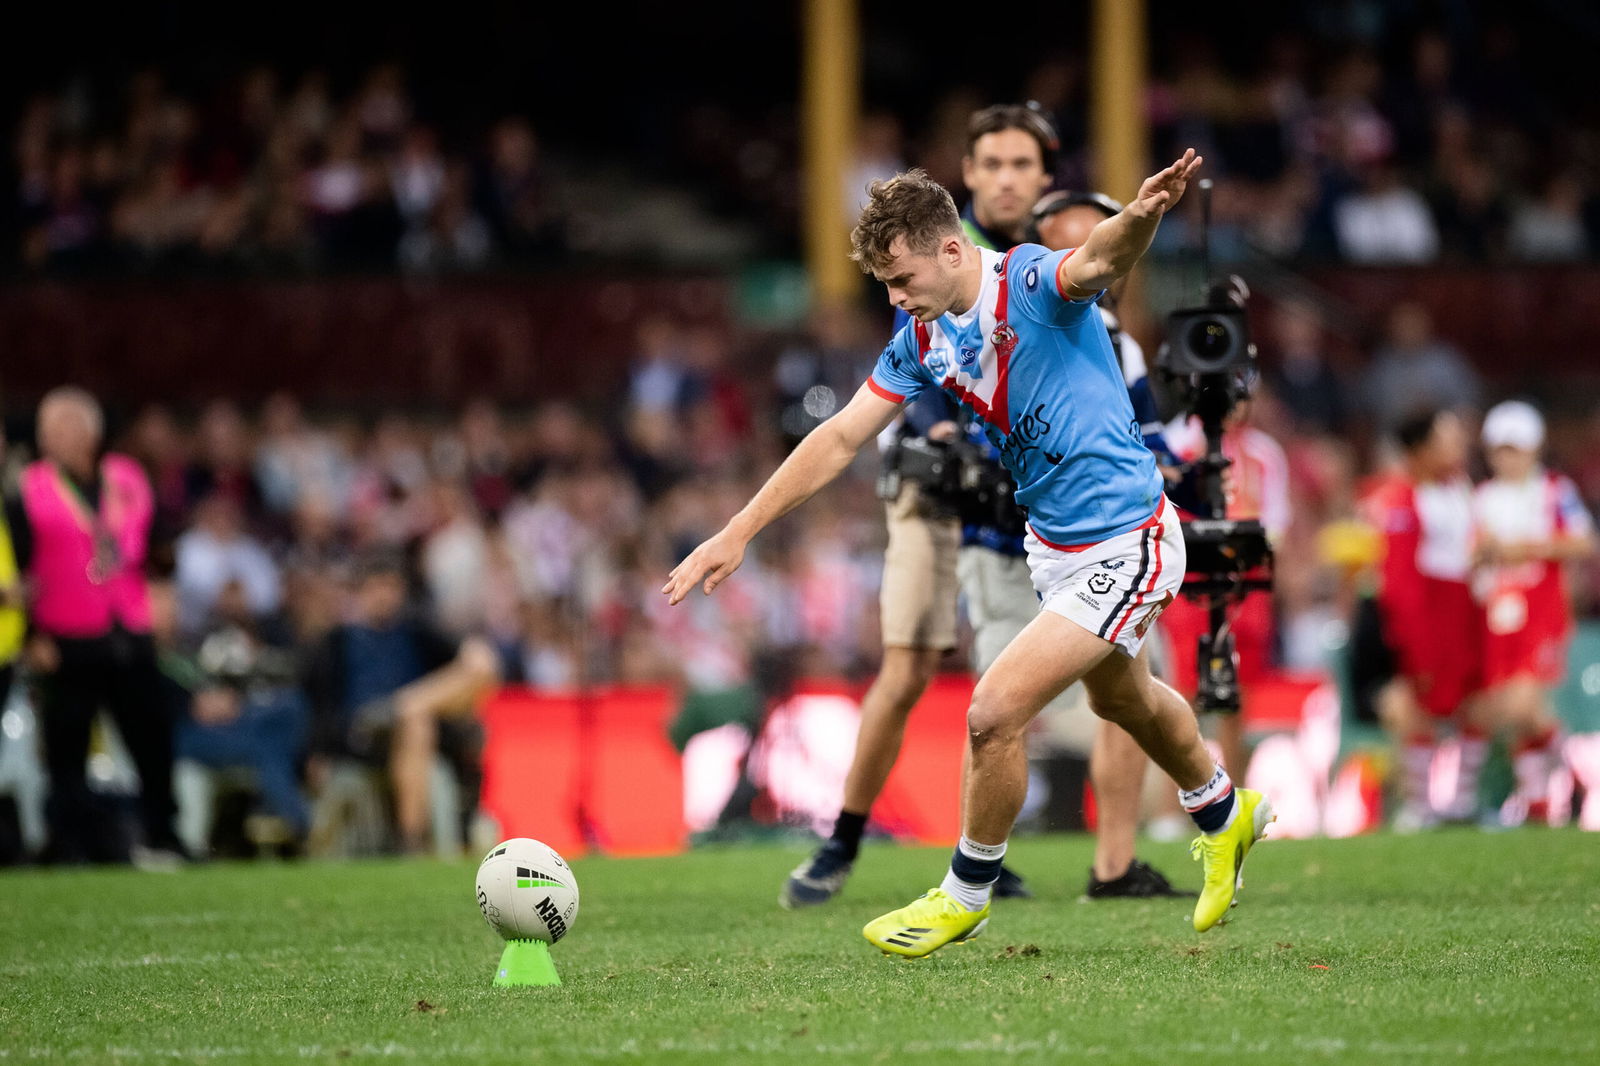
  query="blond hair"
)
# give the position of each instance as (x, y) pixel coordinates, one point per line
(910, 205)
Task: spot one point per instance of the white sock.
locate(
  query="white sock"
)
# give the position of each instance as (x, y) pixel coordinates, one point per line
(1416, 760)
(973, 895)
(1474, 750)
(1533, 764)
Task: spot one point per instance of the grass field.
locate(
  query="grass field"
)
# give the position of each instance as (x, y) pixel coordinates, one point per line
(1451, 947)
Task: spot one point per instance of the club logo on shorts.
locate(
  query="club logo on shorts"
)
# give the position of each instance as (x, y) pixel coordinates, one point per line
(1100, 584)
(1150, 619)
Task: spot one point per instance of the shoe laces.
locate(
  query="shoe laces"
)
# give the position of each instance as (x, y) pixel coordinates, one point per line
(937, 900)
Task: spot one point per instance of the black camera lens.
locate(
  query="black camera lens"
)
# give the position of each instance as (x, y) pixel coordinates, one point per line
(1210, 339)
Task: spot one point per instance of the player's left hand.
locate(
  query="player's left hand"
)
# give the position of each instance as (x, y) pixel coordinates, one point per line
(714, 560)
(1161, 192)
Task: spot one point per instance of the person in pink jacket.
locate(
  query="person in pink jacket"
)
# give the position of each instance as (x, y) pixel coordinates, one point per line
(80, 528)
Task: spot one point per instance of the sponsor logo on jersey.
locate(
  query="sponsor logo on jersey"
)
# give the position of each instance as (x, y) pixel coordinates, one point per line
(1026, 433)
(968, 362)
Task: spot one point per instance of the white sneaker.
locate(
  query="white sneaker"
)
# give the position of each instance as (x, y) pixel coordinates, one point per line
(1414, 818)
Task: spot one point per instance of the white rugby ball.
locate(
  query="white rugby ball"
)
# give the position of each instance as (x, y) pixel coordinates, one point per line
(526, 891)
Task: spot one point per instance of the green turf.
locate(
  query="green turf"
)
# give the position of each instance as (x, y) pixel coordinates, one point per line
(1451, 947)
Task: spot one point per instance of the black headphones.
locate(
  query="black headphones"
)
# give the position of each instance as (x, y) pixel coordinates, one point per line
(1061, 199)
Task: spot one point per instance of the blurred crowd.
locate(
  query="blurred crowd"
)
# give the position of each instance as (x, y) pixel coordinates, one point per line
(272, 176)
(550, 528)
(1371, 146)
(1369, 137)
(546, 532)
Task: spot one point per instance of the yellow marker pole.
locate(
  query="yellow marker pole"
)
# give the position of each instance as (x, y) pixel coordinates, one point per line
(1120, 135)
(830, 93)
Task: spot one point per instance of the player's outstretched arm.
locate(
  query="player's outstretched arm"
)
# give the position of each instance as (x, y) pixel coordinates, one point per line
(817, 460)
(1115, 245)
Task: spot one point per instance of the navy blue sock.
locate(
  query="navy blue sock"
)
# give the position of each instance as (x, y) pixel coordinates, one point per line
(974, 871)
(1214, 816)
(1210, 805)
(847, 834)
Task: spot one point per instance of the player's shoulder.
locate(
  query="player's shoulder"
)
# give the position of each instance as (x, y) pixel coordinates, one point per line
(1033, 274)
(1026, 262)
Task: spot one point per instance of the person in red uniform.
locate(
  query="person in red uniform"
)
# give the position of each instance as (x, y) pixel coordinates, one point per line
(1430, 619)
(1530, 523)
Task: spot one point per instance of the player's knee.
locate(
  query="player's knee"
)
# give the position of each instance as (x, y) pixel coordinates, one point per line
(992, 723)
(905, 675)
(1120, 707)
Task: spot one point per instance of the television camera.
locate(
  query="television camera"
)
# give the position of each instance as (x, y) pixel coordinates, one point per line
(1205, 367)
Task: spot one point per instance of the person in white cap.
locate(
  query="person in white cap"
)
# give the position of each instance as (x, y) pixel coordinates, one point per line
(1530, 522)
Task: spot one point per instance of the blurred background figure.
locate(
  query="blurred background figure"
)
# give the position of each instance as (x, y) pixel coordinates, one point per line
(80, 531)
(1531, 523)
(390, 692)
(232, 688)
(1414, 368)
(1430, 618)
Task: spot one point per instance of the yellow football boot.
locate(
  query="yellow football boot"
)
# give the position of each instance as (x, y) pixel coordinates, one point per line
(1222, 855)
(925, 925)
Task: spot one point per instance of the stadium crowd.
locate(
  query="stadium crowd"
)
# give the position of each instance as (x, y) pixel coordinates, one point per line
(545, 532)
(1446, 148)
(528, 543)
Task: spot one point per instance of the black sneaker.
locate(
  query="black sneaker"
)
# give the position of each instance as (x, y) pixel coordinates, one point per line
(817, 880)
(1010, 885)
(1142, 881)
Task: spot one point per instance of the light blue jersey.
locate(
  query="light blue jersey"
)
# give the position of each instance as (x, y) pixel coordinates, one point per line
(1039, 371)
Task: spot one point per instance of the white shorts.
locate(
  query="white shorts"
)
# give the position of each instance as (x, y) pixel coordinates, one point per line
(1115, 589)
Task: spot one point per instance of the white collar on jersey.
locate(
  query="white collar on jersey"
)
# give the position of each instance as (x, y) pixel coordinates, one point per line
(991, 261)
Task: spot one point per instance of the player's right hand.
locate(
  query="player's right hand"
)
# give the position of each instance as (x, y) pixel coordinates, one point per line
(714, 561)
